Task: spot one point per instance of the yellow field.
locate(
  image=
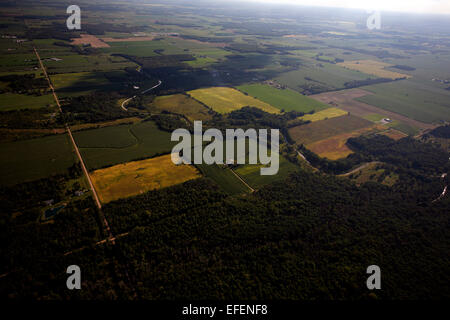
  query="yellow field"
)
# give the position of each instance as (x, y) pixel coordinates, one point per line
(324, 114)
(376, 68)
(182, 104)
(335, 148)
(225, 100)
(133, 178)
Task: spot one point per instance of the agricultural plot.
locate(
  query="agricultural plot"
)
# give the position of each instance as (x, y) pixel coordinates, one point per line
(373, 67)
(225, 100)
(319, 130)
(134, 178)
(72, 84)
(91, 40)
(113, 145)
(184, 105)
(324, 114)
(13, 101)
(411, 99)
(285, 100)
(348, 100)
(144, 48)
(223, 176)
(84, 63)
(335, 148)
(320, 78)
(35, 159)
(252, 176)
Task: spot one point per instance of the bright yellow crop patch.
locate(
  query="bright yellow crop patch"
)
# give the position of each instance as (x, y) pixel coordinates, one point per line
(225, 100)
(375, 68)
(134, 178)
(324, 114)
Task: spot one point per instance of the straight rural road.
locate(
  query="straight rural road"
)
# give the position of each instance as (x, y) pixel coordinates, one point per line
(143, 92)
(77, 151)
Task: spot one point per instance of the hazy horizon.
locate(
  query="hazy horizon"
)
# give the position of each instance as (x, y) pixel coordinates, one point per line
(406, 6)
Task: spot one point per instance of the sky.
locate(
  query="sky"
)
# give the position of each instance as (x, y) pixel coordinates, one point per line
(417, 6)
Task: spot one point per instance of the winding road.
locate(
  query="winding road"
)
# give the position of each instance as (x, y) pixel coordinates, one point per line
(143, 92)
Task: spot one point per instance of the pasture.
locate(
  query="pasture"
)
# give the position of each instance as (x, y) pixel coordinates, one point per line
(113, 145)
(224, 100)
(184, 105)
(137, 177)
(323, 129)
(34, 159)
(285, 100)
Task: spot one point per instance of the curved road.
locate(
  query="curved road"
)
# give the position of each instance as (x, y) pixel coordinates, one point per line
(143, 92)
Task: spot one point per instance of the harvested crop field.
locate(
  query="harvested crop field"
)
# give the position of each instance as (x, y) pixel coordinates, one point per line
(324, 114)
(225, 100)
(131, 39)
(394, 134)
(134, 178)
(90, 39)
(373, 67)
(319, 130)
(335, 148)
(182, 104)
(345, 100)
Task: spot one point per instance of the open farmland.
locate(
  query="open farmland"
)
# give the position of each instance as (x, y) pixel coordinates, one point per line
(411, 99)
(182, 104)
(335, 148)
(133, 178)
(91, 40)
(373, 67)
(113, 145)
(225, 100)
(34, 159)
(319, 130)
(285, 100)
(346, 100)
(324, 114)
(324, 77)
(14, 101)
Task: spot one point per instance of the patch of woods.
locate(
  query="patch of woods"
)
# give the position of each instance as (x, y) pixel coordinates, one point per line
(25, 84)
(96, 107)
(441, 132)
(42, 118)
(310, 236)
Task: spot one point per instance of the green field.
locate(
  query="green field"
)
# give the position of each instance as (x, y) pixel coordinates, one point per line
(34, 159)
(69, 84)
(287, 100)
(328, 76)
(13, 101)
(224, 178)
(113, 145)
(84, 63)
(252, 175)
(411, 99)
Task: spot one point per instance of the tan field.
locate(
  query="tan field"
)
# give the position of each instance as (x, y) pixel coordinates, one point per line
(375, 68)
(137, 177)
(90, 39)
(324, 114)
(335, 148)
(132, 39)
(225, 100)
